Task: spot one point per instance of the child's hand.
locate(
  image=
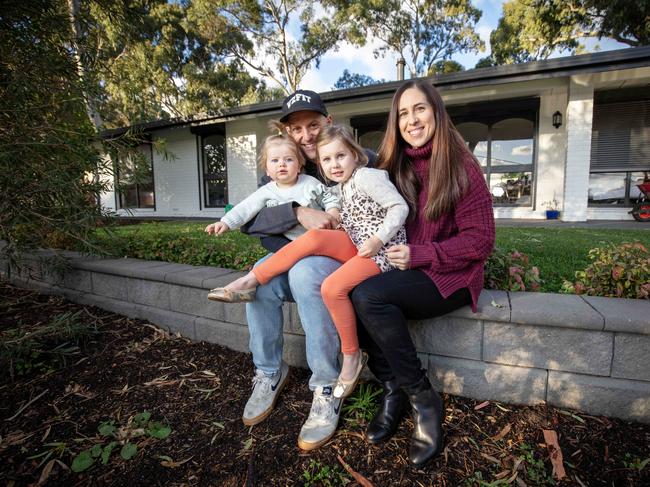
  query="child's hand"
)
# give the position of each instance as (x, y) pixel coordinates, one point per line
(335, 213)
(217, 228)
(399, 256)
(370, 247)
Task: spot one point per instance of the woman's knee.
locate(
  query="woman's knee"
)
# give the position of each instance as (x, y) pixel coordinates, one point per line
(366, 296)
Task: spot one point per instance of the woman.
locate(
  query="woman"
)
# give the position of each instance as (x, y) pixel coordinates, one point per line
(450, 234)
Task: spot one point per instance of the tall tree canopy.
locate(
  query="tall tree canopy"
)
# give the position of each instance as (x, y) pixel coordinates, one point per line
(533, 29)
(422, 32)
(275, 48)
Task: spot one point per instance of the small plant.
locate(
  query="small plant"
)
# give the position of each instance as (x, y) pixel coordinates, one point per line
(110, 437)
(511, 271)
(362, 405)
(552, 205)
(318, 474)
(476, 480)
(621, 271)
(635, 463)
(535, 469)
(44, 347)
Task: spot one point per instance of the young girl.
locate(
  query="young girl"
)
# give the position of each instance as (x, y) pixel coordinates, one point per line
(372, 214)
(283, 161)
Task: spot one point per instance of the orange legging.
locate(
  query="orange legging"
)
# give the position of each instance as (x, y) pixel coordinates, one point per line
(336, 287)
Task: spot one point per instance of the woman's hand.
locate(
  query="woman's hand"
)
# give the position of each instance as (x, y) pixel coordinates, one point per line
(399, 256)
(217, 228)
(370, 247)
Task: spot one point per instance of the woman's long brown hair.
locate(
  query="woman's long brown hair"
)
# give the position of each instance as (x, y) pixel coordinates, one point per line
(448, 179)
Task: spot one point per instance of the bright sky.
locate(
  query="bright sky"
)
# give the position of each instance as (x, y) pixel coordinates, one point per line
(361, 60)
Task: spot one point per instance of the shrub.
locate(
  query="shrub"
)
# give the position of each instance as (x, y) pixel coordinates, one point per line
(621, 271)
(511, 271)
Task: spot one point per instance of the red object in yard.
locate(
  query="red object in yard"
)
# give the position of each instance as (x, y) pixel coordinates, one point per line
(641, 209)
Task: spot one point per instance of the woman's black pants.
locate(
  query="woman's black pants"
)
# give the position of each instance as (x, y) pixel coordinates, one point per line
(383, 305)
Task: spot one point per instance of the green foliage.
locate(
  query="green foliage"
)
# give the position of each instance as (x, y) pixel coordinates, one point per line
(511, 271)
(110, 437)
(325, 475)
(185, 243)
(362, 405)
(355, 80)
(534, 29)
(534, 466)
(44, 347)
(271, 50)
(420, 31)
(635, 463)
(621, 271)
(445, 66)
(477, 480)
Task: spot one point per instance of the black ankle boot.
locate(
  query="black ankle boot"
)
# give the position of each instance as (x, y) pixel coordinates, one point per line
(428, 410)
(393, 407)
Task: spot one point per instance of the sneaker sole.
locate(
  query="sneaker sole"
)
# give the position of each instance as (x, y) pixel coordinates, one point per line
(304, 445)
(258, 419)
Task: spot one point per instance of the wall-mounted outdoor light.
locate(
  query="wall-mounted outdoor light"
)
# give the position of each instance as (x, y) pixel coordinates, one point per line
(557, 119)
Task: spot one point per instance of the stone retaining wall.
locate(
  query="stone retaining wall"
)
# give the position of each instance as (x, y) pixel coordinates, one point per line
(587, 353)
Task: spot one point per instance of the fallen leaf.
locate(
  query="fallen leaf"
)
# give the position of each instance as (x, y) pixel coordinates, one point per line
(555, 453)
(361, 480)
(45, 474)
(481, 406)
(172, 464)
(502, 433)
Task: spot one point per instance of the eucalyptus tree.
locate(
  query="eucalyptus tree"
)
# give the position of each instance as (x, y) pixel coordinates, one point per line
(422, 32)
(534, 29)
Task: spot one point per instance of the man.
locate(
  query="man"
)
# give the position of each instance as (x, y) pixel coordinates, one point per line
(303, 115)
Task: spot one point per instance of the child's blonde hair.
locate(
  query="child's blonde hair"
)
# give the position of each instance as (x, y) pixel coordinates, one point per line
(333, 132)
(281, 137)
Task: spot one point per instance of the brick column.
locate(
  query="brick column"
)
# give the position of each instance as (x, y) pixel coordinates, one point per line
(578, 117)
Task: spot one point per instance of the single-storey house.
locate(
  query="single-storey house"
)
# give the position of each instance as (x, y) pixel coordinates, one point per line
(574, 130)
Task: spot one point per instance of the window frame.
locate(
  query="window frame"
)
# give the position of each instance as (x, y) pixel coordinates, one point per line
(120, 196)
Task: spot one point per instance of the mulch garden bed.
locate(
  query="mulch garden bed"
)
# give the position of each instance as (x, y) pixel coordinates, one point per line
(179, 403)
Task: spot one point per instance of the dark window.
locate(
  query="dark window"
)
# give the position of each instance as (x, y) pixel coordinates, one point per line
(620, 147)
(135, 178)
(502, 137)
(370, 129)
(215, 181)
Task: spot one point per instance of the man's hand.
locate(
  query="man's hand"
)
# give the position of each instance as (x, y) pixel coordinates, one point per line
(315, 219)
(217, 228)
(370, 247)
(336, 214)
(399, 256)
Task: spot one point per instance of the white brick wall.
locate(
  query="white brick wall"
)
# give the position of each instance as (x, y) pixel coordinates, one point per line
(579, 115)
(241, 150)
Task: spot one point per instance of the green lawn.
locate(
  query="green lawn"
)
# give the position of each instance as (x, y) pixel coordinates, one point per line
(558, 253)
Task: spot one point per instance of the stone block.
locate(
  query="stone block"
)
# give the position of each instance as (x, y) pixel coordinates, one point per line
(229, 335)
(109, 285)
(631, 357)
(626, 315)
(169, 320)
(480, 380)
(293, 351)
(486, 309)
(448, 335)
(548, 348)
(235, 313)
(620, 398)
(78, 280)
(196, 276)
(160, 271)
(561, 310)
(194, 301)
(151, 293)
(120, 267)
(113, 305)
(222, 279)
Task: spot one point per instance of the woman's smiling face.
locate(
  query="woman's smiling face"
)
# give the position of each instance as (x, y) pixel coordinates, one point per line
(415, 118)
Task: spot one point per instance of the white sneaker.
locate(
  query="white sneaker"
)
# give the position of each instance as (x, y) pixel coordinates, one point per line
(322, 421)
(266, 390)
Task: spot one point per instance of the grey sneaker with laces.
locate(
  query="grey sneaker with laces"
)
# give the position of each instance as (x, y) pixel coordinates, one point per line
(322, 421)
(266, 390)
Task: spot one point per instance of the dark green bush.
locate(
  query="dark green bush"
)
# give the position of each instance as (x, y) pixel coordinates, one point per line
(621, 271)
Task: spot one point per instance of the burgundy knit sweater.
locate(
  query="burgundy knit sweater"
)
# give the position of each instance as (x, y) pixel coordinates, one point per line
(452, 249)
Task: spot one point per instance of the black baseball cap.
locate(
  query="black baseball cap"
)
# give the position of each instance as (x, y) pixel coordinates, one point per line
(302, 100)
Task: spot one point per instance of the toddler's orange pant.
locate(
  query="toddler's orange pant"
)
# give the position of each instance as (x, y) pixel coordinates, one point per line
(336, 287)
